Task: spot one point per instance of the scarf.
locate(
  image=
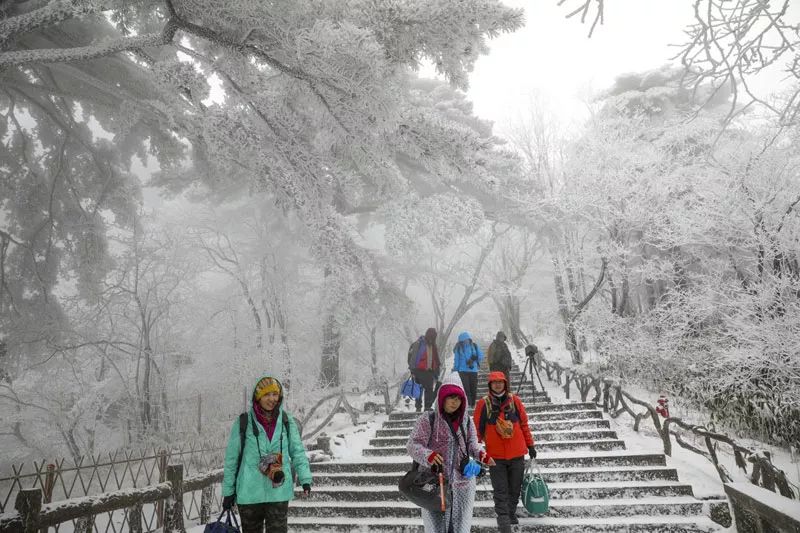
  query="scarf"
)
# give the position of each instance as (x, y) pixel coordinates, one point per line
(267, 419)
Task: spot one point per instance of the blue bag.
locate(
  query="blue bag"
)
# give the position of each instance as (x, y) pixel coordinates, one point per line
(411, 389)
(223, 527)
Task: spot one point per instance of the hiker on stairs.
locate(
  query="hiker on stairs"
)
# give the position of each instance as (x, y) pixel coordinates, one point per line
(467, 358)
(424, 364)
(502, 424)
(263, 451)
(499, 357)
(447, 438)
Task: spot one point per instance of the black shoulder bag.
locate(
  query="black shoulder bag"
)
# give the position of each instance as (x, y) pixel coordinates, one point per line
(421, 487)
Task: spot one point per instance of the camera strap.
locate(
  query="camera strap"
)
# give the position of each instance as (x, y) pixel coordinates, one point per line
(455, 436)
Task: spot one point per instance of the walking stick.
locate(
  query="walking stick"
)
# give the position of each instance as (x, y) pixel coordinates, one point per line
(441, 492)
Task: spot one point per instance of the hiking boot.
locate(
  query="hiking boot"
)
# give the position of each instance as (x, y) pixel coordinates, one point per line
(419, 408)
(503, 524)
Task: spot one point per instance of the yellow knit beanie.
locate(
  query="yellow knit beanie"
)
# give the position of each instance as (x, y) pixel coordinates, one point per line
(265, 386)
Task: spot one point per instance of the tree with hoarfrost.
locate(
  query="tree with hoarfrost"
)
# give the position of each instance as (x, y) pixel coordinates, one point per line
(310, 104)
(699, 230)
(727, 45)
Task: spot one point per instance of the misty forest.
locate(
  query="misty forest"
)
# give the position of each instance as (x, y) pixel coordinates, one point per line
(196, 193)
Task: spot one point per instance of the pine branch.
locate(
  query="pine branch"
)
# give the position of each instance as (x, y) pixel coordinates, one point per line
(83, 53)
(47, 15)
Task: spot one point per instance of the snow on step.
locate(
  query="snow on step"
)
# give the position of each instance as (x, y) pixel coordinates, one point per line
(558, 491)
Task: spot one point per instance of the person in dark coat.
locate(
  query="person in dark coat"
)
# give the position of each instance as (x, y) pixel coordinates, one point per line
(424, 364)
(500, 357)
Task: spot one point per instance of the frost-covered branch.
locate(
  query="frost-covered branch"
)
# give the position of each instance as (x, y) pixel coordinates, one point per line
(584, 9)
(23, 21)
(83, 53)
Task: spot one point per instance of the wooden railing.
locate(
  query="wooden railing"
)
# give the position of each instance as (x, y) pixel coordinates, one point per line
(615, 401)
(31, 516)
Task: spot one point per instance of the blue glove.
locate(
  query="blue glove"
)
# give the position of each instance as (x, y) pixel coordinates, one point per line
(472, 469)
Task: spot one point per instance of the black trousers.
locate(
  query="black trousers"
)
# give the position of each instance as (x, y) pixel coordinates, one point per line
(426, 380)
(470, 382)
(507, 484)
(256, 516)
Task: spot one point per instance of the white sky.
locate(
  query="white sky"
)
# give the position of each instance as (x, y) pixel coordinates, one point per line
(552, 55)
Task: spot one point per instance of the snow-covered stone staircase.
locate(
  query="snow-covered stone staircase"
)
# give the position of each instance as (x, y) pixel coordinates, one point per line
(595, 485)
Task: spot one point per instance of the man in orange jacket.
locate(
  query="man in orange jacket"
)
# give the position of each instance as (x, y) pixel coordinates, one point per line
(502, 424)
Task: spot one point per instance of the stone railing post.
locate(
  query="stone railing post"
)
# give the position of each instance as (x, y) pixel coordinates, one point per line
(206, 500)
(49, 484)
(324, 443)
(29, 504)
(135, 518)
(173, 514)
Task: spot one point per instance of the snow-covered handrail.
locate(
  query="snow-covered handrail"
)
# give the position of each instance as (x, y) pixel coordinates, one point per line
(754, 505)
(616, 401)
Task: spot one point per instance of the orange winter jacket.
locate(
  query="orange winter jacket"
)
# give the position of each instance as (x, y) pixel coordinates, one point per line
(498, 447)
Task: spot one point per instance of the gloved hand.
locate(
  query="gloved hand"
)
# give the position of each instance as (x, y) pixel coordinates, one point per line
(306, 489)
(472, 360)
(532, 451)
(228, 501)
(471, 469)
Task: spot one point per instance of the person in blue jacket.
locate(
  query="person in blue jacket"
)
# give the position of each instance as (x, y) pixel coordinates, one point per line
(466, 361)
(258, 477)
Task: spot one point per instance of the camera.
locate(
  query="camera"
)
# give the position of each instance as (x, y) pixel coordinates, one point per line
(271, 465)
(531, 350)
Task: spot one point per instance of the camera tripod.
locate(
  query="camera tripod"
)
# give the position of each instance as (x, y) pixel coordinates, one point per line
(527, 373)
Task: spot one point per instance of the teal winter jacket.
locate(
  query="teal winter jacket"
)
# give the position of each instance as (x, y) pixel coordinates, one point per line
(251, 485)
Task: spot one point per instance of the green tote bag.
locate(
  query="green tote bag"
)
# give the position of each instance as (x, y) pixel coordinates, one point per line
(535, 494)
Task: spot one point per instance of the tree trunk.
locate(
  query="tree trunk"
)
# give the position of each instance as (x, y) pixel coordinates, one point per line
(147, 420)
(571, 342)
(373, 351)
(508, 309)
(563, 305)
(331, 340)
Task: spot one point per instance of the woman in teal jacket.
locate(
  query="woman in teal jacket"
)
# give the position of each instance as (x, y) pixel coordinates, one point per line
(262, 485)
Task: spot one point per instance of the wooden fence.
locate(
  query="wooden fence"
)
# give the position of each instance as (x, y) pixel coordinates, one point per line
(30, 515)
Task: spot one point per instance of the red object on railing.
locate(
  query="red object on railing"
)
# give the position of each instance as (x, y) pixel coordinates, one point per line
(662, 406)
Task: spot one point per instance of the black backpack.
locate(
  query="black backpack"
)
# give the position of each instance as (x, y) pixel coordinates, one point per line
(243, 427)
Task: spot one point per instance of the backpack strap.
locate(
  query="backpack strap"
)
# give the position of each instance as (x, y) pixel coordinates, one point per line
(486, 412)
(242, 429)
(514, 400)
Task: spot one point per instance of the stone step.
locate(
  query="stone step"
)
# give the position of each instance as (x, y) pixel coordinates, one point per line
(684, 506)
(541, 447)
(534, 410)
(609, 460)
(542, 436)
(524, 391)
(536, 427)
(634, 524)
(560, 416)
(558, 491)
(558, 475)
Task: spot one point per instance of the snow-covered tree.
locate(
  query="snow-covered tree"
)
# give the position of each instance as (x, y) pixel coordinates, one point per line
(311, 104)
